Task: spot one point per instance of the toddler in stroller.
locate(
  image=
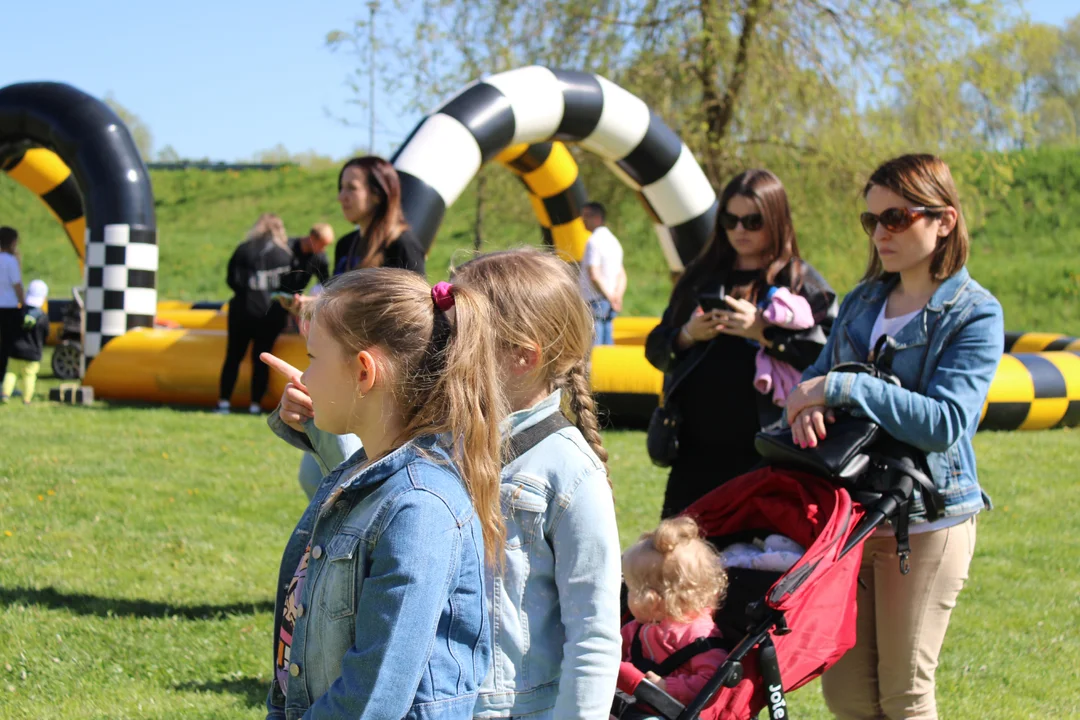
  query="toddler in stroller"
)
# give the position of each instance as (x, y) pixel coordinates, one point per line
(674, 581)
(783, 629)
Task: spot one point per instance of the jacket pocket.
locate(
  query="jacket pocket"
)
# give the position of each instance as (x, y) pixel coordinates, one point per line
(337, 583)
(523, 506)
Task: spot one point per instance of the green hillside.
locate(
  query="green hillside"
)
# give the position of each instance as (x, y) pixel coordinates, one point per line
(1025, 226)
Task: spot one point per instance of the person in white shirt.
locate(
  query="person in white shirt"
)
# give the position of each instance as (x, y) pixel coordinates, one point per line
(603, 279)
(11, 293)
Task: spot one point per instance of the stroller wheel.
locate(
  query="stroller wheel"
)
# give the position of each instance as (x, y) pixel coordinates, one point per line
(66, 360)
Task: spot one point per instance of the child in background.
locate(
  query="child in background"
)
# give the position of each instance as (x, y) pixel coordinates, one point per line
(26, 347)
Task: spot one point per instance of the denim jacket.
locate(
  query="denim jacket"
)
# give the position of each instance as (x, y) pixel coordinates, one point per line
(555, 608)
(393, 619)
(946, 358)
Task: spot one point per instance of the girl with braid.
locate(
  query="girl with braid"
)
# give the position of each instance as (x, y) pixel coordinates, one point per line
(555, 602)
(557, 643)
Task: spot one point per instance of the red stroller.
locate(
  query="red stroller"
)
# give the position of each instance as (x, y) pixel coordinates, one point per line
(797, 624)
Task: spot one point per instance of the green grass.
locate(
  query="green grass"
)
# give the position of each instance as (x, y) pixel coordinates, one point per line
(139, 548)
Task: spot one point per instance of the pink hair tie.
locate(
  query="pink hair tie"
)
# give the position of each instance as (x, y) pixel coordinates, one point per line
(443, 295)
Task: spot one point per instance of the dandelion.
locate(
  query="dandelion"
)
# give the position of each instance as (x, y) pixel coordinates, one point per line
(165, 455)
(51, 492)
(8, 533)
(41, 498)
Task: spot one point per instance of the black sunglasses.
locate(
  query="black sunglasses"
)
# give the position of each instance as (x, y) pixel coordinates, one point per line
(898, 219)
(750, 223)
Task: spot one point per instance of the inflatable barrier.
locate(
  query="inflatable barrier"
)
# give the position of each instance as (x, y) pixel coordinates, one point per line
(1029, 392)
(181, 367)
(1039, 342)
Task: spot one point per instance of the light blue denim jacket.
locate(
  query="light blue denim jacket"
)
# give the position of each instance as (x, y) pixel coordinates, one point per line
(394, 621)
(556, 606)
(946, 358)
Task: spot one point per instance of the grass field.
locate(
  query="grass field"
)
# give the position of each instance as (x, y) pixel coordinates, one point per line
(139, 545)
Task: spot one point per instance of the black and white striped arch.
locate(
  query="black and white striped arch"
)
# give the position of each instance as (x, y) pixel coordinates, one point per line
(535, 104)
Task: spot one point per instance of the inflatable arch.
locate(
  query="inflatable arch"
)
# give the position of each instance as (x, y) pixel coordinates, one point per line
(500, 117)
(118, 233)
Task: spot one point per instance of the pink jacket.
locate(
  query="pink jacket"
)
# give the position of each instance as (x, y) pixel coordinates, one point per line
(659, 640)
(791, 311)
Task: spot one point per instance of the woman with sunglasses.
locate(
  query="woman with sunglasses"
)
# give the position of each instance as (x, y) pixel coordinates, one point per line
(949, 336)
(707, 341)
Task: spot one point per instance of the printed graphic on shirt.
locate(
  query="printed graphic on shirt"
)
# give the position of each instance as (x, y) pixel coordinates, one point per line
(290, 613)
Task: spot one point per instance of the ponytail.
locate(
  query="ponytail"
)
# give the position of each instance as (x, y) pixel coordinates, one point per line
(468, 400)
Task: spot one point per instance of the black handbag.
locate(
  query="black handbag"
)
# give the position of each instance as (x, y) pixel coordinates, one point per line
(842, 455)
(662, 438)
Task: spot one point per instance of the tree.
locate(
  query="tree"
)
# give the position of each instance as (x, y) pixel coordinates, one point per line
(140, 132)
(739, 80)
(168, 154)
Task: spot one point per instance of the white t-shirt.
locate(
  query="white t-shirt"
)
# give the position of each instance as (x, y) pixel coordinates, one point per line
(889, 326)
(604, 251)
(9, 276)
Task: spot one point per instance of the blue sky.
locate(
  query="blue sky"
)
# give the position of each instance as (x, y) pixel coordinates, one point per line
(222, 79)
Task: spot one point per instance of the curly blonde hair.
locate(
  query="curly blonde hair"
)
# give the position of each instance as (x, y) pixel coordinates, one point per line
(672, 573)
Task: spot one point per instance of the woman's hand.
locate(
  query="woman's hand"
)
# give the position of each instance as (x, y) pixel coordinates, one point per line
(701, 327)
(656, 680)
(744, 319)
(809, 425)
(805, 394)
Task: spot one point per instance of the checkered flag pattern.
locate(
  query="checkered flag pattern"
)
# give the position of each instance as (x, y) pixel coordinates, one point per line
(121, 277)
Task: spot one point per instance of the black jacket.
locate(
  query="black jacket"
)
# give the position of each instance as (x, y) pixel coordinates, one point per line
(256, 269)
(798, 348)
(305, 266)
(406, 252)
(29, 342)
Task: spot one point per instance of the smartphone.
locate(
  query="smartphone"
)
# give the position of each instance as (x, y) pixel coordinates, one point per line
(713, 300)
(286, 299)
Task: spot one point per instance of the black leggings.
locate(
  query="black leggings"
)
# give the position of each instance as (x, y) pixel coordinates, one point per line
(244, 330)
(9, 329)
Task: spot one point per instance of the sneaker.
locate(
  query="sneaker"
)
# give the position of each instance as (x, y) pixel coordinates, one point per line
(222, 407)
(254, 409)
(4, 398)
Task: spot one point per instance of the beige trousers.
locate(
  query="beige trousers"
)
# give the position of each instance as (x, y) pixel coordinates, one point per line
(901, 627)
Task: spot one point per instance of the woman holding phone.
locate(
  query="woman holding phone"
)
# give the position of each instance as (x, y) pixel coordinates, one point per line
(708, 340)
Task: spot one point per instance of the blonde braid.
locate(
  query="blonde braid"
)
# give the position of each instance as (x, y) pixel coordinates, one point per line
(583, 406)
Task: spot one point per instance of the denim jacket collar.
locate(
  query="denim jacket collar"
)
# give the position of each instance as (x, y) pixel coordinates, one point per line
(917, 332)
(368, 475)
(946, 294)
(523, 419)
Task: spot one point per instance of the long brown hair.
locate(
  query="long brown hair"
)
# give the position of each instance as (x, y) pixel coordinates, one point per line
(717, 258)
(926, 181)
(441, 365)
(389, 221)
(538, 304)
